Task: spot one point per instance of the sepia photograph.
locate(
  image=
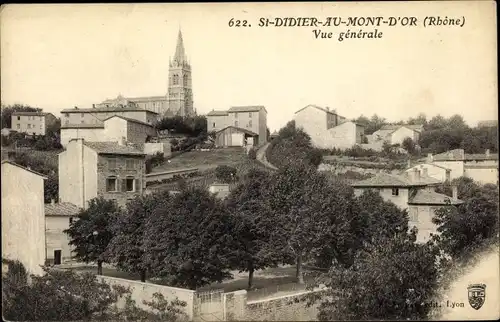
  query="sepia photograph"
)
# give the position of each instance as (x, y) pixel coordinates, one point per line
(293, 161)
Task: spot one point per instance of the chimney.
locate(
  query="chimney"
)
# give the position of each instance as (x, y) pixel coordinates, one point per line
(429, 157)
(454, 191)
(487, 153)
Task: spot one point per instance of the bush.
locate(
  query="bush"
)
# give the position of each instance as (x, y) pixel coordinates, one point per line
(252, 154)
(154, 161)
(225, 174)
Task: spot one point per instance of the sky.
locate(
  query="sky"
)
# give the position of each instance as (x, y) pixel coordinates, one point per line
(61, 56)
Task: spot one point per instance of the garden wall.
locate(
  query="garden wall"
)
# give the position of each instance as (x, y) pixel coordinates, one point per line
(144, 291)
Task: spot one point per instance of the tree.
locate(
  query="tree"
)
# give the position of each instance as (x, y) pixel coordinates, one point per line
(252, 225)
(252, 154)
(409, 145)
(225, 173)
(392, 279)
(188, 239)
(51, 188)
(421, 119)
(64, 295)
(437, 122)
(91, 233)
(127, 247)
(310, 212)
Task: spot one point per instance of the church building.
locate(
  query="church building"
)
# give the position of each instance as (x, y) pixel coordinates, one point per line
(179, 98)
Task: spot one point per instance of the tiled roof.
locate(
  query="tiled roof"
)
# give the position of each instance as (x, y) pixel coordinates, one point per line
(27, 169)
(218, 113)
(105, 109)
(129, 120)
(427, 197)
(257, 108)
(29, 113)
(395, 127)
(239, 129)
(112, 148)
(61, 209)
(82, 126)
(383, 179)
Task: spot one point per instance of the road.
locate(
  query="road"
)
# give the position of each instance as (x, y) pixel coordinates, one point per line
(261, 157)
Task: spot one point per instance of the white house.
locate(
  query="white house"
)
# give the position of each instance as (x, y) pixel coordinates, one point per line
(453, 164)
(327, 129)
(23, 219)
(395, 134)
(112, 129)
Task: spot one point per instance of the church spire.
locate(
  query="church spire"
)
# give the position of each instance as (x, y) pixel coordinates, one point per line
(180, 55)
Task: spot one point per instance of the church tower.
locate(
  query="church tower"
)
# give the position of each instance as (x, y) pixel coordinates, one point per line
(180, 93)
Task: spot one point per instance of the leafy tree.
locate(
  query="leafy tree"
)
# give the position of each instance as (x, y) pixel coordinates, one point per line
(372, 124)
(192, 126)
(389, 280)
(252, 154)
(127, 247)
(253, 225)
(437, 122)
(466, 227)
(91, 233)
(310, 212)
(409, 145)
(421, 119)
(225, 173)
(64, 295)
(188, 239)
(51, 188)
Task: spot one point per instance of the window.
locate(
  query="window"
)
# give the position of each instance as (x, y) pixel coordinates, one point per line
(29, 126)
(70, 220)
(18, 118)
(82, 115)
(395, 191)
(176, 79)
(235, 123)
(66, 115)
(185, 80)
(250, 114)
(18, 126)
(236, 115)
(214, 124)
(130, 164)
(111, 184)
(83, 121)
(250, 123)
(129, 184)
(112, 164)
(413, 214)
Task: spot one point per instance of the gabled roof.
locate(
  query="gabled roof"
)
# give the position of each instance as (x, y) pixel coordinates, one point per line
(128, 120)
(415, 127)
(383, 179)
(427, 197)
(29, 113)
(319, 108)
(82, 126)
(112, 148)
(106, 109)
(217, 113)
(61, 209)
(256, 108)
(26, 169)
(239, 129)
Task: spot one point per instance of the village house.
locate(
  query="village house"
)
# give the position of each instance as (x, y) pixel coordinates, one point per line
(239, 126)
(112, 129)
(482, 167)
(96, 116)
(23, 219)
(32, 123)
(395, 134)
(327, 129)
(112, 170)
(58, 217)
(413, 191)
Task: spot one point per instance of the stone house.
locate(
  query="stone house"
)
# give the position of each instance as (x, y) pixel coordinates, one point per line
(482, 167)
(235, 136)
(58, 217)
(32, 122)
(413, 191)
(238, 120)
(96, 116)
(23, 218)
(328, 129)
(113, 170)
(114, 129)
(395, 134)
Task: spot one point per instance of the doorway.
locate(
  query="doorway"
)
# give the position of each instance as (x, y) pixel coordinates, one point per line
(57, 257)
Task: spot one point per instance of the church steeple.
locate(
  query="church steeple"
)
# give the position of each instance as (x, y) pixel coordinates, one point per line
(180, 54)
